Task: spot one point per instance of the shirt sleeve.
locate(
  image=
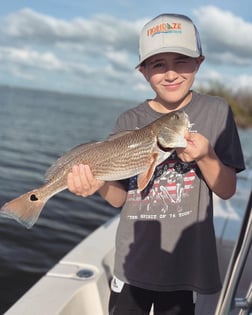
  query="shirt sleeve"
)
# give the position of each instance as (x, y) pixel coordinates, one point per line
(228, 146)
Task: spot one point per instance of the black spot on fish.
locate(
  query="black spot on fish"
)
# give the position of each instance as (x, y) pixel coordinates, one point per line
(33, 197)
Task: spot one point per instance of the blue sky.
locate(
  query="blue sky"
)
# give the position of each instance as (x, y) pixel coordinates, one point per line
(91, 47)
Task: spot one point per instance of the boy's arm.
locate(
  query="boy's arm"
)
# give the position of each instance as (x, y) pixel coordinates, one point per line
(220, 178)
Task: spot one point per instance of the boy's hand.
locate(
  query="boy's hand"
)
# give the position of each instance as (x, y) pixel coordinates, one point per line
(197, 147)
(81, 181)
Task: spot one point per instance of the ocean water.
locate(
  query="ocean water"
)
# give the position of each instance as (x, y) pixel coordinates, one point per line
(37, 127)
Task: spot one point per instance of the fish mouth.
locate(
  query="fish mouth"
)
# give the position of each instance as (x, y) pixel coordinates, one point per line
(180, 143)
(165, 149)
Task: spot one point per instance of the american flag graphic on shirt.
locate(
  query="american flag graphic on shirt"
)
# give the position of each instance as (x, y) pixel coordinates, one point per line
(170, 184)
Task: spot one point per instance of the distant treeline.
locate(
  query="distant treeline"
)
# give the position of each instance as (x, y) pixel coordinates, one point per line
(240, 102)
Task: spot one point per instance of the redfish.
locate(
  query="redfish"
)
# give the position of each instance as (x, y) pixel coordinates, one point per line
(121, 156)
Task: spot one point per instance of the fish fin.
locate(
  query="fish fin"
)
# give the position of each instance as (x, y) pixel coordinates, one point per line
(144, 178)
(25, 209)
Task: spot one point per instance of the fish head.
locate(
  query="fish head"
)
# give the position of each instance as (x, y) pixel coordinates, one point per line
(171, 131)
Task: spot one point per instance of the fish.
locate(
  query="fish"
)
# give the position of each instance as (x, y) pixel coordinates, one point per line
(120, 156)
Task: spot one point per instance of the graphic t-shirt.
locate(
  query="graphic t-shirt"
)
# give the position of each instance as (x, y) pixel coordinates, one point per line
(165, 239)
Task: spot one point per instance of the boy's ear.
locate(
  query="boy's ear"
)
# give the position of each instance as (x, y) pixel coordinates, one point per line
(143, 71)
(200, 59)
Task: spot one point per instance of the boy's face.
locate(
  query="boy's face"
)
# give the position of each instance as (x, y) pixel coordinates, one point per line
(171, 76)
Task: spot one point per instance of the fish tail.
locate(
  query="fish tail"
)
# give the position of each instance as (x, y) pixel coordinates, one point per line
(25, 209)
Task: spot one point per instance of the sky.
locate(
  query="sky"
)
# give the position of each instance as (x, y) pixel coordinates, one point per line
(91, 47)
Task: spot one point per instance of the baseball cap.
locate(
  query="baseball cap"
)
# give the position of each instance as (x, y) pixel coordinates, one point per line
(169, 33)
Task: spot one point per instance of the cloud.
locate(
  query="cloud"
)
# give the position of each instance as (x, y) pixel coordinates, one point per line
(98, 54)
(226, 38)
(30, 57)
(103, 30)
(101, 46)
(113, 41)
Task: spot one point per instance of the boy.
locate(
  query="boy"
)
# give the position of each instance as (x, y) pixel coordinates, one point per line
(165, 243)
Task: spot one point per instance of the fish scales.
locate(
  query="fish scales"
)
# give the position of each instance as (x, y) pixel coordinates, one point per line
(110, 160)
(131, 156)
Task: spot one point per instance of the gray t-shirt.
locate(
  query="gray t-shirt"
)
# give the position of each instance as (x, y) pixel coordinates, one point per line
(165, 240)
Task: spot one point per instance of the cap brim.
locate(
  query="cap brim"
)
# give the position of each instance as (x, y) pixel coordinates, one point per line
(178, 50)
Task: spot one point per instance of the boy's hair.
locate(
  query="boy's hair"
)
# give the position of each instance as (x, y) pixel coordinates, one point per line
(169, 33)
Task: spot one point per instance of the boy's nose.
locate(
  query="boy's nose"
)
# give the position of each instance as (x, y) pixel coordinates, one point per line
(171, 75)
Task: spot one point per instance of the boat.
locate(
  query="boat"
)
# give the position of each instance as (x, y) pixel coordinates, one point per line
(79, 284)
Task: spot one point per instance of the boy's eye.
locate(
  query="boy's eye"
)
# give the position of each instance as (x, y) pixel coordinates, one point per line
(182, 61)
(158, 65)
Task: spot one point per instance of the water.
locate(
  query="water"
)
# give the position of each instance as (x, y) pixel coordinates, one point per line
(35, 128)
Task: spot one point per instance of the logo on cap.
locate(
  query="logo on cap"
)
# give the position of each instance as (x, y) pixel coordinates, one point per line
(164, 28)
